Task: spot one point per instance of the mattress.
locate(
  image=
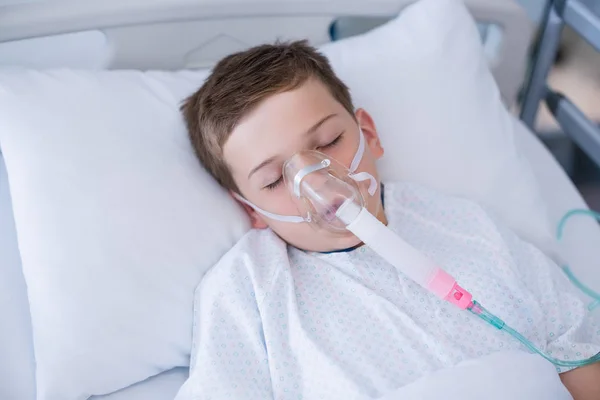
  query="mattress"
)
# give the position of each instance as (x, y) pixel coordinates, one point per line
(581, 238)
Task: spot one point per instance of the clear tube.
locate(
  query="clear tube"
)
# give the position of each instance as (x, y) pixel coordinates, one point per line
(586, 290)
(497, 323)
(559, 234)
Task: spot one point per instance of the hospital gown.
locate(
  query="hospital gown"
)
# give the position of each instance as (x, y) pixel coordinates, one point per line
(272, 321)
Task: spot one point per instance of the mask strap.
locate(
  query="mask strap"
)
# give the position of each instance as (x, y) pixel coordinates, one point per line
(362, 176)
(359, 153)
(277, 217)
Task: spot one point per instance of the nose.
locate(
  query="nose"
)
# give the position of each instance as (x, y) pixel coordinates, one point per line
(301, 166)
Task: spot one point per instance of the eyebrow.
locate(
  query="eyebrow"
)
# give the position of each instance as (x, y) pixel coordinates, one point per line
(316, 126)
(310, 131)
(261, 165)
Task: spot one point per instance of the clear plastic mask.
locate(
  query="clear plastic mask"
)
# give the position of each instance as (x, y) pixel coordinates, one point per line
(320, 186)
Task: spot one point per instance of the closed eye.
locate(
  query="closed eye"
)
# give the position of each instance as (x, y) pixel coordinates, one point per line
(273, 186)
(332, 143)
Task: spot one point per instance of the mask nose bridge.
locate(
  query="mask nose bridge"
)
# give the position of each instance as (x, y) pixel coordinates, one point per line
(358, 177)
(305, 171)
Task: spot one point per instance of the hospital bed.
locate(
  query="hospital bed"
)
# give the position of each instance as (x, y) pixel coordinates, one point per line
(147, 35)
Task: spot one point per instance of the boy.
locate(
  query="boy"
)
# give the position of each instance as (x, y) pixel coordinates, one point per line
(293, 312)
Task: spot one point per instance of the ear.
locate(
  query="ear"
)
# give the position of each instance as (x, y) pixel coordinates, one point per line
(366, 123)
(256, 220)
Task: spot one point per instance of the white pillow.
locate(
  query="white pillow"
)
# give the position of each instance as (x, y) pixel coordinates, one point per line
(117, 222)
(425, 80)
(16, 343)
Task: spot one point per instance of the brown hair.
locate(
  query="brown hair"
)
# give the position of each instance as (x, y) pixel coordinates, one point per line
(238, 83)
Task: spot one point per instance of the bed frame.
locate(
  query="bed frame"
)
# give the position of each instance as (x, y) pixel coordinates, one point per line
(179, 34)
(558, 14)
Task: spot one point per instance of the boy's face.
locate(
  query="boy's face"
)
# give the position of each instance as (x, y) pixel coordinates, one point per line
(307, 118)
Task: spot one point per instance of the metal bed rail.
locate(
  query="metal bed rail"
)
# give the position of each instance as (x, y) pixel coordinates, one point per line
(558, 14)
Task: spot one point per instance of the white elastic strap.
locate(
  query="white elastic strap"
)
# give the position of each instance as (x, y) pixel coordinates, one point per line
(309, 169)
(363, 176)
(359, 153)
(277, 217)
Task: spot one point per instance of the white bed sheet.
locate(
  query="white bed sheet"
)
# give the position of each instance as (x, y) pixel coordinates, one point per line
(580, 247)
(16, 355)
(160, 387)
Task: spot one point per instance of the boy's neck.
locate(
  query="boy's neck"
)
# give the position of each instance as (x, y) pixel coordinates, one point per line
(381, 212)
(381, 215)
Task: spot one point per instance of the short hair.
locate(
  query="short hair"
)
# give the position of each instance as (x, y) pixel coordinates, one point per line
(238, 83)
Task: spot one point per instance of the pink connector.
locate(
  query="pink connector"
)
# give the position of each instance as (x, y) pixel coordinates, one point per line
(445, 287)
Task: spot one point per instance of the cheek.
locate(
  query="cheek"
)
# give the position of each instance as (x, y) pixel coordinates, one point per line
(298, 235)
(287, 206)
(348, 151)
(277, 201)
